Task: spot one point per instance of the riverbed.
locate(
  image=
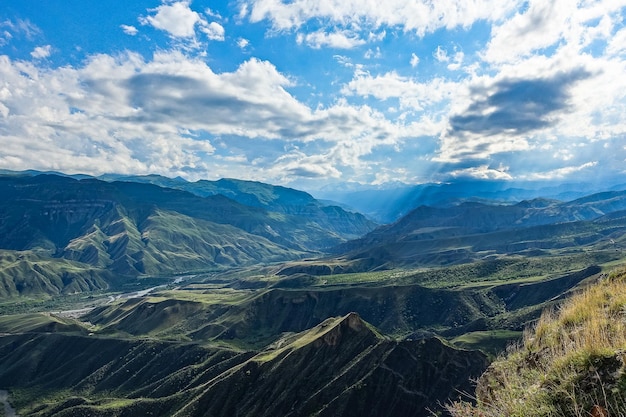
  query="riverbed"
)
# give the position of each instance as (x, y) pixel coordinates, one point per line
(8, 410)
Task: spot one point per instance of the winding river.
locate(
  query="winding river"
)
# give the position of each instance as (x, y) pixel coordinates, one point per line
(8, 410)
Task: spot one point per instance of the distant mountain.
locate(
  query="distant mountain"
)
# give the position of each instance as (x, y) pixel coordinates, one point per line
(389, 205)
(470, 231)
(272, 198)
(130, 229)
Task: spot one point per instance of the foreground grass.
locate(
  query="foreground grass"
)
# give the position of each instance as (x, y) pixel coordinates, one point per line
(571, 364)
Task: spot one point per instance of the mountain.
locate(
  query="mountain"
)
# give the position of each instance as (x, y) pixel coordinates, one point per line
(133, 229)
(342, 367)
(251, 319)
(472, 231)
(390, 204)
(272, 198)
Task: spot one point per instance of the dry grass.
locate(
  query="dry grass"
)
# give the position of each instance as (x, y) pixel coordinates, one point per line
(570, 364)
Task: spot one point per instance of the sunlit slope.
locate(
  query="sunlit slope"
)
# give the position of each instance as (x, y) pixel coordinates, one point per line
(571, 363)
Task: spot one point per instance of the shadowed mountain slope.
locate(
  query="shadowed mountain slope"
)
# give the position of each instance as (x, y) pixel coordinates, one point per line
(342, 367)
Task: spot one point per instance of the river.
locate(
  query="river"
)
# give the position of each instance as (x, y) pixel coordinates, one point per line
(8, 410)
(75, 314)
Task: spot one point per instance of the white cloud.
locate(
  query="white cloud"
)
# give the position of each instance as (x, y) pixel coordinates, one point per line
(441, 55)
(243, 43)
(129, 30)
(213, 13)
(41, 52)
(177, 19)
(410, 93)
(456, 149)
(559, 173)
(377, 37)
(414, 60)
(370, 53)
(483, 172)
(20, 28)
(299, 164)
(540, 26)
(617, 44)
(552, 24)
(109, 116)
(337, 39)
(214, 31)
(457, 61)
(421, 16)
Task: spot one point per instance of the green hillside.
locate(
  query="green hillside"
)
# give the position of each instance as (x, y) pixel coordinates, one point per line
(63, 235)
(342, 367)
(571, 363)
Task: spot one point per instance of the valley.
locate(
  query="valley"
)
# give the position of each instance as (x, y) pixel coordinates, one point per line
(138, 296)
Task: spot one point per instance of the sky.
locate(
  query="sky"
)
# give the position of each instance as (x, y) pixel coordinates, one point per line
(316, 94)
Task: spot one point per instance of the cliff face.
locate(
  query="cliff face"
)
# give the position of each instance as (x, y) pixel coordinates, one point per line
(571, 364)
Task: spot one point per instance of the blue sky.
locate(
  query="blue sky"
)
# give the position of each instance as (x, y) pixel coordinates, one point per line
(316, 93)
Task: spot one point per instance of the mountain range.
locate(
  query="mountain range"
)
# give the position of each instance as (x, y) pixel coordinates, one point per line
(145, 295)
(386, 205)
(135, 229)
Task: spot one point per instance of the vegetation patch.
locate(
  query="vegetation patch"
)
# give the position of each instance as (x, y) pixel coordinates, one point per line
(570, 364)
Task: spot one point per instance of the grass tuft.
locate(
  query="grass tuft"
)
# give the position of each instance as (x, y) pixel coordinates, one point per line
(571, 364)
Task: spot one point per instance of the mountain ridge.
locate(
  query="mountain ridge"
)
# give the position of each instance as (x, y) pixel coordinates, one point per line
(134, 229)
(341, 367)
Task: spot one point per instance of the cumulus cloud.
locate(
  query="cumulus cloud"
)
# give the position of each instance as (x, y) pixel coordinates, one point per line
(546, 24)
(301, 165)
(214, 31)
(177, 19)
(180, 21)
(559, 173)
(410, 93)
(421, 16)
(243, 43)
(517, 106)
(129, 30)
(41, 52)
(482, 172)
(545, 87)
(125, 114)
